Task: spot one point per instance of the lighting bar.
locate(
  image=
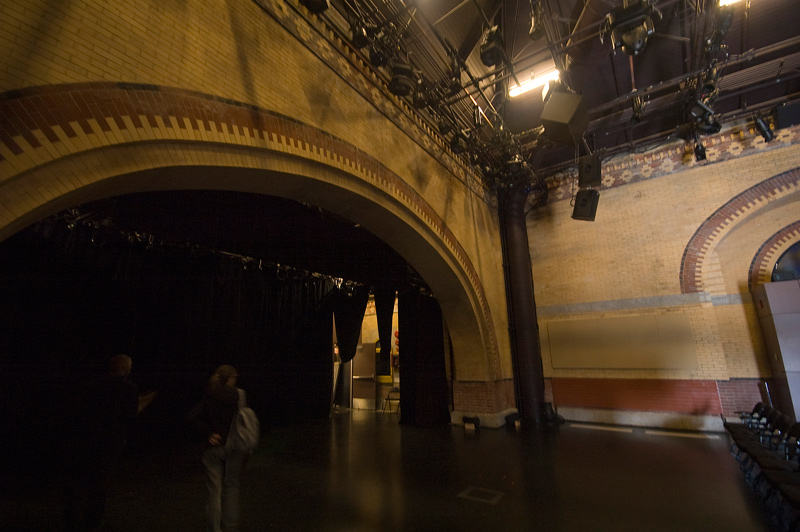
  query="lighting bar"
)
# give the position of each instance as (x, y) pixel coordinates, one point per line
(723, 3)
(535, 81)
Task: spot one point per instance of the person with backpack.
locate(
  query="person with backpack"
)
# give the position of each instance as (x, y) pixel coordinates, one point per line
(214, 416)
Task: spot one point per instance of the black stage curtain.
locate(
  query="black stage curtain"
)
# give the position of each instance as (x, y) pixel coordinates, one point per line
(68, 304)
(423, 381)
(349, 306)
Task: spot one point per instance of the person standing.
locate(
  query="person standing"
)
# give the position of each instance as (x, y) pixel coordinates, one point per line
(213, 416)
(107, 412)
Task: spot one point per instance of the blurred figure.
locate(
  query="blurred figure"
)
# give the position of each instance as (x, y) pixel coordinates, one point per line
(110, 408)
(213, 417)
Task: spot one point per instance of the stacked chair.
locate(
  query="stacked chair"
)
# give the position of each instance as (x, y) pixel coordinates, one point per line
(766, 444)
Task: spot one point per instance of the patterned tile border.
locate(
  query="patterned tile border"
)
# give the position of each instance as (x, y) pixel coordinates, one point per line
(716, 226)
(42, 124)
(769, 253)
(737, 140)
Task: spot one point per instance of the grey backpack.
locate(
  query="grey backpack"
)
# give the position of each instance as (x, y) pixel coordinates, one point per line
(245, 429)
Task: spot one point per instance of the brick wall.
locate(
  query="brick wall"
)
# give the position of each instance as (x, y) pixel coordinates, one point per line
(483, 397)
(672, 236)
(739, 395)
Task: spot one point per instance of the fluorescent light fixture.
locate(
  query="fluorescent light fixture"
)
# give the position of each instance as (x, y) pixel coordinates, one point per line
(539, 80)
(723, 3)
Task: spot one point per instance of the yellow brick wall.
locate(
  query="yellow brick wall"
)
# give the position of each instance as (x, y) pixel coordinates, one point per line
(628, 261)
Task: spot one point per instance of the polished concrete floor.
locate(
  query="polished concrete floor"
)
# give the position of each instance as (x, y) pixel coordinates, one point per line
(360, 471)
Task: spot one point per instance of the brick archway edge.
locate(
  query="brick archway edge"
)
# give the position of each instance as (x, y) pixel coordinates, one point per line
(39, 125)
(713, 229)
(769, 253)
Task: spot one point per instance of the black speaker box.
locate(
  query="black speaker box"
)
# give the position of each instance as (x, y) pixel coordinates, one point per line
(565, 118)
(589, 171)
(585, 205)
(787, 115)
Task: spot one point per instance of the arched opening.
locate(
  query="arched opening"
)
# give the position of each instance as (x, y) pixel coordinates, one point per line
(787, 266)
(402, 220)
(185, 280)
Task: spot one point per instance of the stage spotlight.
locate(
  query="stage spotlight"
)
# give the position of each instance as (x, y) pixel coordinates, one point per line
(764, 129)
(537, 30)
(316, 6)
(709, 126)
(360, 38)
(492, 48)
(638, 109)
(444, 126)
(699, 151)
(631, 26)
(516, 164)
(377, 57)
(402, 83)
(635, 40)
(420, 99)
(700, 110)
(710, 81)
(459, 143)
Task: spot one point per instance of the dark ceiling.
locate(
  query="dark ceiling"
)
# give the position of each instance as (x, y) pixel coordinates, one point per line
(740, 60)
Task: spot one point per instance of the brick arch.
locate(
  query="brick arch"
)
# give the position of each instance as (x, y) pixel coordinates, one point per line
(769, 253)
(66, 144)
(724, 219)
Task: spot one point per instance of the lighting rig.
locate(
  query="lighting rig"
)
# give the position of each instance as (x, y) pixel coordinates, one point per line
(458, 105)
(433, 77)
(631, 26)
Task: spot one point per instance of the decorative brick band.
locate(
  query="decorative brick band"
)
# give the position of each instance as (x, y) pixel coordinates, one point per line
(769, 253)
(42, 124)
(716, 226)
(735, 141)
(698, 397)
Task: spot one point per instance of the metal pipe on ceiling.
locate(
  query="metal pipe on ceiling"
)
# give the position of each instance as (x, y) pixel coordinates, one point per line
(664, 136)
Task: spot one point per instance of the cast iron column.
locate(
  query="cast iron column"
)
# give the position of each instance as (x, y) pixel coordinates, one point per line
(523, 328)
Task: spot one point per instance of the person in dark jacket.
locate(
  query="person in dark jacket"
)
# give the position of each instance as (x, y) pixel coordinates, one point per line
(108, 410)
(223, 466)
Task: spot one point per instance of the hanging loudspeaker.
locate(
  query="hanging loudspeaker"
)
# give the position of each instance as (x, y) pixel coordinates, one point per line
(787, 115)
(589, 171)
(585, 205)
(565, 118)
